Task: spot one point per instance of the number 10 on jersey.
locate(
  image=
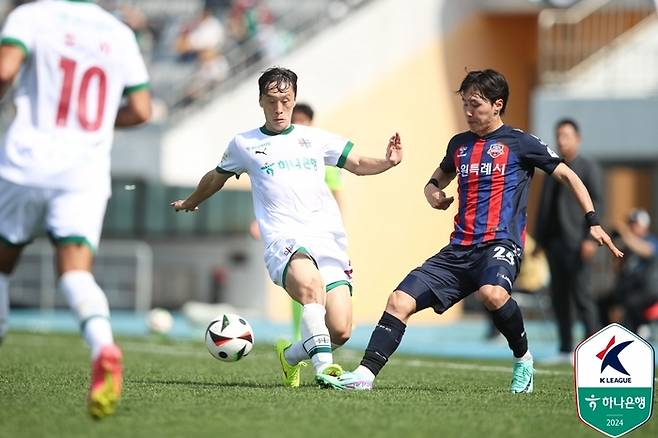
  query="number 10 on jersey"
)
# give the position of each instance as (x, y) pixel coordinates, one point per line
(87, 122)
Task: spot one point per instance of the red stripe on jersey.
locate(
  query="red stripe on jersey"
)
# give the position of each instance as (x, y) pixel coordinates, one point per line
(496, 194)
(472, 193)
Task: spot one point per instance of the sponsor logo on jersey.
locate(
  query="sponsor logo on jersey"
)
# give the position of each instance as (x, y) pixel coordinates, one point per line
(461, 152)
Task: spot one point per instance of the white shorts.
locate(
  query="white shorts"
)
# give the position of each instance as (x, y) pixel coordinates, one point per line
(329, 255)
(67, 215)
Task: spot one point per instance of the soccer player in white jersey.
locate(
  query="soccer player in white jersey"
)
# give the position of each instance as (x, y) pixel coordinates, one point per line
(75, 62)
(299, 221)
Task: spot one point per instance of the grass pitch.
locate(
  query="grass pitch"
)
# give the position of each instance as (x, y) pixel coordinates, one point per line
(176, 389)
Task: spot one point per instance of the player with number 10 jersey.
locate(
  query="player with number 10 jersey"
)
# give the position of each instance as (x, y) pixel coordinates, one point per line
(75, 62)
(81, 61)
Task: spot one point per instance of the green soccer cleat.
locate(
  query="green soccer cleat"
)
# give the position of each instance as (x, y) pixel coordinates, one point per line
(523, 377)
(291, 373)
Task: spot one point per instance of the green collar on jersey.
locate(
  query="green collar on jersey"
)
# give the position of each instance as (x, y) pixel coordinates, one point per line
(266, 131)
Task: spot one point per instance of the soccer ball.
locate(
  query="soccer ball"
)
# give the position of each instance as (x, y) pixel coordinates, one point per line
(229, 337)
(159, 321)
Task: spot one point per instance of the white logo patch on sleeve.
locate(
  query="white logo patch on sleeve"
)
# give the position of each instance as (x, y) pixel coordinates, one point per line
(551, 152)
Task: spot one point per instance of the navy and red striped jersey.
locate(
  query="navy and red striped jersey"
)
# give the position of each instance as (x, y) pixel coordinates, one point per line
(494, 174)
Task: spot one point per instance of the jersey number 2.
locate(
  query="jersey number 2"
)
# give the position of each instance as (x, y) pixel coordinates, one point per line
(86, 122)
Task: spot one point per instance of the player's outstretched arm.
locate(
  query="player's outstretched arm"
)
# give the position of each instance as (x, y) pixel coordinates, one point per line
(434, 193)
(568, 177)
(359, 165)
(11, 59)
(136, 111)
(210, 184)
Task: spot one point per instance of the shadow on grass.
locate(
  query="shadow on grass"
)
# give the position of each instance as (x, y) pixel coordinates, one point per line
(203, 384)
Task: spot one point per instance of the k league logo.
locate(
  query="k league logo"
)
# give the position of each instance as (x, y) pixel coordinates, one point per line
(614, 373)
(610, 358)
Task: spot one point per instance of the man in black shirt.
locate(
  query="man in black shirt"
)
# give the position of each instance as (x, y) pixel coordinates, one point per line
(562, 232)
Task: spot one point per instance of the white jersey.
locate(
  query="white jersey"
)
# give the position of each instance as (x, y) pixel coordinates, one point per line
(79, 61)
(290, 196)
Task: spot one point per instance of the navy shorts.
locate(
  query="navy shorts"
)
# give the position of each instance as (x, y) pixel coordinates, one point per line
(457, 271)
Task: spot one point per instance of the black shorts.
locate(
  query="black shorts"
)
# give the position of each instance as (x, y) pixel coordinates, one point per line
(457, 271)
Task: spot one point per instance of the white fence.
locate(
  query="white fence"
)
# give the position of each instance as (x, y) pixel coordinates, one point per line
(123, 269)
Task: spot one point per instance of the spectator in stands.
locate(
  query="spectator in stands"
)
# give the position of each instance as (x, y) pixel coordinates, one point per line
(636, 287)
(202, 41)
(252, 25)
(561, 230)
(135, 19)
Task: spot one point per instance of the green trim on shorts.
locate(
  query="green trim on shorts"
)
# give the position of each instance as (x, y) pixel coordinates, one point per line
(72, 240)
(343, 156)
(7, 242)
(335, 284)
(285, 270)
(84, 322)
(9, 41)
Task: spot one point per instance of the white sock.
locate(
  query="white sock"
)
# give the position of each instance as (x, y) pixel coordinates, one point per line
(526, 357)
(89, 304)
(315, 336)
(365, 373)
(295, 353)
(4, 304)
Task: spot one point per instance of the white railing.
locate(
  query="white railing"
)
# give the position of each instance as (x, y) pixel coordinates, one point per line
(123, 269)
(567, 37)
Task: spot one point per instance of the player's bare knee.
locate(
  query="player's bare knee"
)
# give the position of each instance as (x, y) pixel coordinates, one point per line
(401, 305)
(310, 291)
(493, 297)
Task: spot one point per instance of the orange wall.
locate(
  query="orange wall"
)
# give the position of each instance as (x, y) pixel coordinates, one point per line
(390, 227)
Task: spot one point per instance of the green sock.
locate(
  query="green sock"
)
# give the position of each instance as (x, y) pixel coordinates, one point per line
(296, 321)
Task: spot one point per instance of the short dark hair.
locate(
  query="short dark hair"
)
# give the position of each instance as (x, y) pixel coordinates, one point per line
(305, 109)
(489, 83)
(570, 122)
(282, 77)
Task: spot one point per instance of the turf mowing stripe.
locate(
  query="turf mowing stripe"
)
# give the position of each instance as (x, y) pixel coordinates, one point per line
(344, 354)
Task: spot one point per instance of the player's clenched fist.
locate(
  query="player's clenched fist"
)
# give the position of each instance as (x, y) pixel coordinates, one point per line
(437, 198)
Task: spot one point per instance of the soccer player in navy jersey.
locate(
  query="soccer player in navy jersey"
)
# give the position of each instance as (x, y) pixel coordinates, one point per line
(494, 164)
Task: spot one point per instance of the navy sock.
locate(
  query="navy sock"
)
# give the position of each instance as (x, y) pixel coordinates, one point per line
(509, 321)
(384, 341)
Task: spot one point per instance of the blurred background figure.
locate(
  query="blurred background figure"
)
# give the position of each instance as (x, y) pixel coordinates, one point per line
(561, 231)
(636, 288)
(253, 26)
(136, 20)
(201, 41)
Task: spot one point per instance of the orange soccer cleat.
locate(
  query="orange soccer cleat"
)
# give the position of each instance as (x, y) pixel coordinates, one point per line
(106, 380)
